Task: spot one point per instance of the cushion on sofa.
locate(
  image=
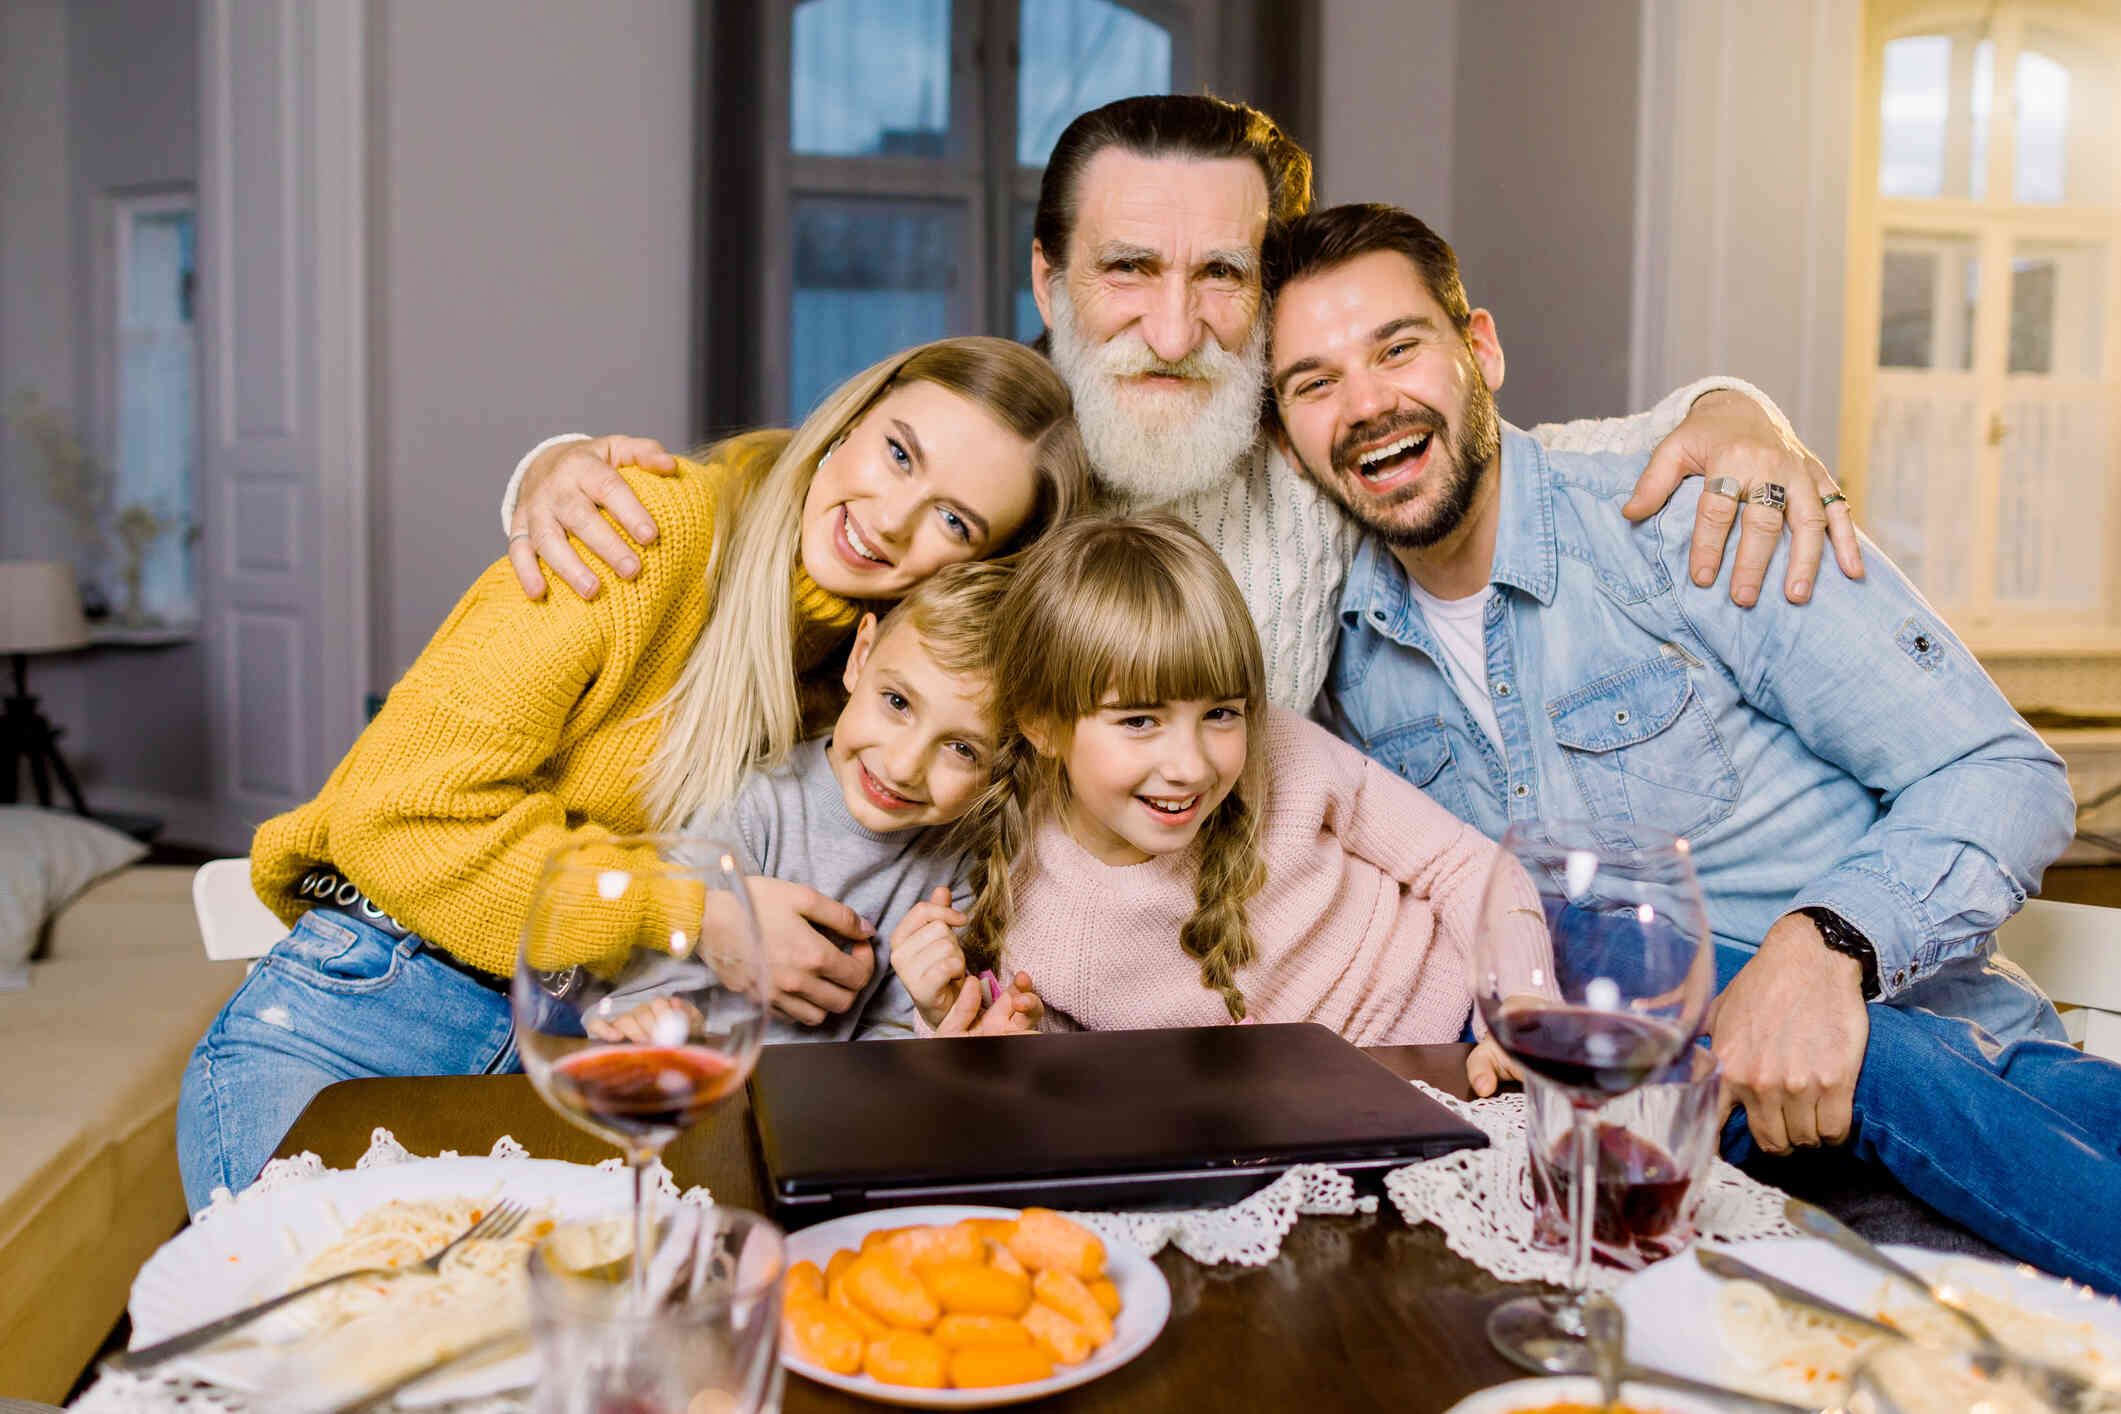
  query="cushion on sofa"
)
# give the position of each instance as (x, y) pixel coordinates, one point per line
(46, 857)
(91, 1058)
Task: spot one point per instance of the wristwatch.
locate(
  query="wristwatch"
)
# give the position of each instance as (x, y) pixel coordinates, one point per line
(1841, 936)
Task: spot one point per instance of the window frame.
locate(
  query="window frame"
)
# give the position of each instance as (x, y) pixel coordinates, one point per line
(1997, 224)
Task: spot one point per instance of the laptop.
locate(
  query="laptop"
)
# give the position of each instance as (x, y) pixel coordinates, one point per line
(1172, 1118)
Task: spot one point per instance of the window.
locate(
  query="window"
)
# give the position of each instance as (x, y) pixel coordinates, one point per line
(152, 378)
(1982, 365)
(904, 145)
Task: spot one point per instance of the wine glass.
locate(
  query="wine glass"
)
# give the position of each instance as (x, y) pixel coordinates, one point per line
(639, 995)
(1593, 969)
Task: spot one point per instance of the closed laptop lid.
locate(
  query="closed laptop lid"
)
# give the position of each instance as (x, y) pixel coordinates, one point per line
(874, 1117)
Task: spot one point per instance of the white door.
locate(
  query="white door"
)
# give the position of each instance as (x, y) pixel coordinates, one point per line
(284, 402)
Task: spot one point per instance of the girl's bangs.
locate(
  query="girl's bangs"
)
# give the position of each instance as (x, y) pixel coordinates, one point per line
(1161, 644)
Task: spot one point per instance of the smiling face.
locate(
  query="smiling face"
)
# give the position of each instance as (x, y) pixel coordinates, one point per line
(1155, 317)
(1383, 402)
(925, 478)
(1143, 779)
(913, 745)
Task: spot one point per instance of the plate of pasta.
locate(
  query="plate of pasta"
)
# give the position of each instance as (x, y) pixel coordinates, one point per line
(365, 1330)
(1735, 1333)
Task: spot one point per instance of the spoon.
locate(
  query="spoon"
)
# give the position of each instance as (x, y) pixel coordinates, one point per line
(1571, 1357)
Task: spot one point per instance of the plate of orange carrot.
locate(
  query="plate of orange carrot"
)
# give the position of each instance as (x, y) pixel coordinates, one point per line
(956, 1307)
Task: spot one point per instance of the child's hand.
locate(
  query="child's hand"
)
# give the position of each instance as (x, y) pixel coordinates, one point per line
(659, 1021)
(926, 957)
(1488, 1066)
(1017, 1010)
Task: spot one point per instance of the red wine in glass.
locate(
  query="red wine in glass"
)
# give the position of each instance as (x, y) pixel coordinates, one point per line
(644, 1094)
(1640, 1190)
(1598, 1052)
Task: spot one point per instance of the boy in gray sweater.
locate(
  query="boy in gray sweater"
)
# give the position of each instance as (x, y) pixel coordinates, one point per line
(862, 815)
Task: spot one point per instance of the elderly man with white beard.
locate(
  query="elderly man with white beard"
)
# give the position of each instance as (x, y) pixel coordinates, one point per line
(1146, 268)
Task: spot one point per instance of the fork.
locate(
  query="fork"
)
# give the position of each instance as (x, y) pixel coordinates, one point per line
(501, 1220)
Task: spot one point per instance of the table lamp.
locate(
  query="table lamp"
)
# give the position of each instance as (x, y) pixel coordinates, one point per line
(40, 612)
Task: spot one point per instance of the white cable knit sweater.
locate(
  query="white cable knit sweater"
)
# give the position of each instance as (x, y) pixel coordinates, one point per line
(1289, 545)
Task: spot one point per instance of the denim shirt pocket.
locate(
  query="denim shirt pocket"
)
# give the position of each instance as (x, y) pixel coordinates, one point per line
(1643, 748)
(1420, 751)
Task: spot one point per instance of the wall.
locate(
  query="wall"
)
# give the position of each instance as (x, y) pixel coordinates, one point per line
(531, 227)
(97, 97)
(1386, 118)
(1749, 112)
(1543, 195)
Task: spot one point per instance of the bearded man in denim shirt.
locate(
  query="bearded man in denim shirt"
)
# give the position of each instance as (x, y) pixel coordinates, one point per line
(1864, 806)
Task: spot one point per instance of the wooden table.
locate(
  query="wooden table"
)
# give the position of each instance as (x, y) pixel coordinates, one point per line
(1355, 1314)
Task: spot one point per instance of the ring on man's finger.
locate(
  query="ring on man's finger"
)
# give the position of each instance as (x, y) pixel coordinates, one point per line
(1729, 486)
(1768, 494)
(519, 535)
(1830, 498)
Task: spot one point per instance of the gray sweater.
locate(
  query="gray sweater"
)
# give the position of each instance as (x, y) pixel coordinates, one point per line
(793, 824)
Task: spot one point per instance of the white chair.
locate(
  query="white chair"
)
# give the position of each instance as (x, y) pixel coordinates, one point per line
(2073, 950)
(232, 921)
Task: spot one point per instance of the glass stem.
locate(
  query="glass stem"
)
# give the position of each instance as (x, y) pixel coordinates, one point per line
(1582, 1199)
(643, 1224)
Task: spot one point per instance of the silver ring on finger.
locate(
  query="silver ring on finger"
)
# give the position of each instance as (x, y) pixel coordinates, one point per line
(1729, 486)
(519, 535)
(1830, 499)
(1770, 495)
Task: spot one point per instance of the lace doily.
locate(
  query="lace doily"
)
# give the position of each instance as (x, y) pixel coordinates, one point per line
(1248, 1233)
(1482, 1199)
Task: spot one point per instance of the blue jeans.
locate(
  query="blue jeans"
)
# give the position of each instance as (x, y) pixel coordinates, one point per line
(2019, 1141)
(334, 1000)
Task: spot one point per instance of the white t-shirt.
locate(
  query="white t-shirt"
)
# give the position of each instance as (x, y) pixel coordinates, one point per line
(1458, 626)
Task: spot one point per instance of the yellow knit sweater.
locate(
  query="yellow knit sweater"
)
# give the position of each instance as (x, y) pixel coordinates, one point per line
(521, 729)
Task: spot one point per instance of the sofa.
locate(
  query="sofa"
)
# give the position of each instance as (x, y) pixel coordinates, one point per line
(92, 1052)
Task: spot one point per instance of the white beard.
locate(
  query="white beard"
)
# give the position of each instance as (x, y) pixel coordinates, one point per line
(1148, 448)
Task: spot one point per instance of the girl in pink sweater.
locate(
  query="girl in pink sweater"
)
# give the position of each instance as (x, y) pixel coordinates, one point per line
(1164, 849)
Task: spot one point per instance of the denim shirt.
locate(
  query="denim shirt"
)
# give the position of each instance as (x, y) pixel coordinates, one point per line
(1848, 753)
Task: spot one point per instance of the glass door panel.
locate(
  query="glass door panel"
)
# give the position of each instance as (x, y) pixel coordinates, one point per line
(870, 78)
(2058, 309)
(1928, 289)
(872, 275)
(1923, 453)
(2065, 111)
(2052, 500)
(1079, 55)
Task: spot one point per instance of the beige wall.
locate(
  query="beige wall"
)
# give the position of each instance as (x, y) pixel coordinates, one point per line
(1385, 109)
(1543, 195)
(530, 245)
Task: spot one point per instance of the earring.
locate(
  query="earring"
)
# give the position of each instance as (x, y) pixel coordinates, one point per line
(831, 449)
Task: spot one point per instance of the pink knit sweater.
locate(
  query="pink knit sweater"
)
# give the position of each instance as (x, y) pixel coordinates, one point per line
(1365, 923)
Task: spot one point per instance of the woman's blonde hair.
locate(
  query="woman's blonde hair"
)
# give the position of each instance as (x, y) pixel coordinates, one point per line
(736, 704)
(1137, 610)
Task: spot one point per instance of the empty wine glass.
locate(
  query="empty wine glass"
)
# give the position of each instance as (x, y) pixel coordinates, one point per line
(639, 995)
(1615, 916)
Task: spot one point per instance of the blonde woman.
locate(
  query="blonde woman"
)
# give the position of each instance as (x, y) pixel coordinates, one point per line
(1167, 850)
(526, 726)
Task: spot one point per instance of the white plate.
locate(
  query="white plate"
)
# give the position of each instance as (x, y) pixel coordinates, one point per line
(1520, 1395)
(1145, 1304)
(1672, 1306)
(246, 1255)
